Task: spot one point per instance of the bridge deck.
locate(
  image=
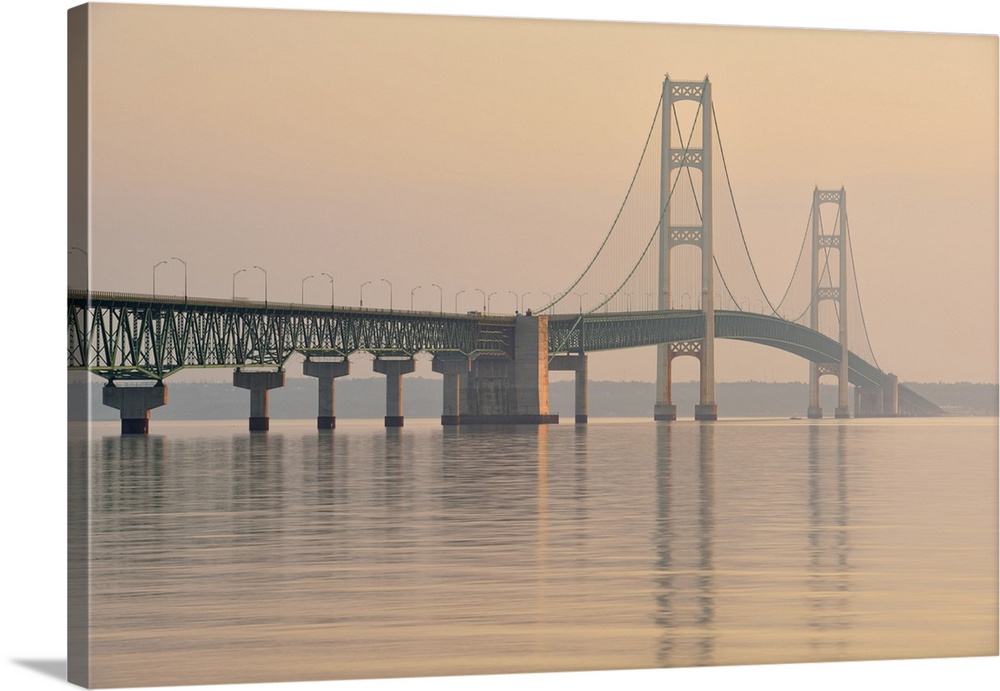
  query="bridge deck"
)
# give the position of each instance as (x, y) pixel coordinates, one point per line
(123, 335)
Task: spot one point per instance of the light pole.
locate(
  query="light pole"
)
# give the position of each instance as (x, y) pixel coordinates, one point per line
(185, 276)
(333, 299)
(265, 281)
(580, 295)
(390, 292)
(154, 275)
(484, 297)
(524, 295)
(488, 299)
(412, 291)
(604, 297)
(361, 300)
(456, 300)
(628, 302)
(304, 287)
(440, 298)
(234, 282)
(550, 299)
(515, 300)
(649, 301)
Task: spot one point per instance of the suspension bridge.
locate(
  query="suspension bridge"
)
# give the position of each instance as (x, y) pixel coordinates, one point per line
(676, 247)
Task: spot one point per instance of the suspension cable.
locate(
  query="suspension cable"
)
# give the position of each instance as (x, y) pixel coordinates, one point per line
(736, 211)
(857, 292)
(659, 224)
(614, 223)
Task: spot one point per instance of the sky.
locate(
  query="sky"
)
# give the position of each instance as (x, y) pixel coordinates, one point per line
(491, 154)
(33, 490)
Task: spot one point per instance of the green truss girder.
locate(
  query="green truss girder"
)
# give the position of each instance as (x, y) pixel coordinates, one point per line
(606, 331)
(122, 336)
(131, 336)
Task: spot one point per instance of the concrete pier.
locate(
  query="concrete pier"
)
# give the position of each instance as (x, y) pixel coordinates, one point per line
(512, 391)
(259, 382)
(326, 371)
(576, 363)
(394, 369)
(455, 370)
(878, 401)
(134, 403)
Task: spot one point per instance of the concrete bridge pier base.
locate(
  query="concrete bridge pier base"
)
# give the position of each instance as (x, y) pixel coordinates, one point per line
(134, 403)
(259, 383)
(878, 401)
(706, 411)
(455, 371)
(815, 413)
(665, 411)
(578, 364)
(842, 413)
(326, 371)
(394, 371)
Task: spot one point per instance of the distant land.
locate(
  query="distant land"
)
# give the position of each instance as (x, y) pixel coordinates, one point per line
(422, 398)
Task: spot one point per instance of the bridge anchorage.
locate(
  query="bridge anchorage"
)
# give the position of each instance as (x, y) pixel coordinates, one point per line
(495, 368)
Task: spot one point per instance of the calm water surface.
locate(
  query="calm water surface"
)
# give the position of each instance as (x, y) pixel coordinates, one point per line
(224, 556)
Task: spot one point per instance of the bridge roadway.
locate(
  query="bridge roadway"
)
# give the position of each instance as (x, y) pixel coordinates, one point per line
(131, 336)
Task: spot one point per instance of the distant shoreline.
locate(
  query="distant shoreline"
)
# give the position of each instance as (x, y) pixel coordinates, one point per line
(422, 398)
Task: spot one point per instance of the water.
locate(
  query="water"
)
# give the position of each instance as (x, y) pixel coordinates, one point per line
(222, 557)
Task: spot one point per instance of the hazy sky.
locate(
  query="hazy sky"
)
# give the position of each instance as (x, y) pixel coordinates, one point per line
(34, 255)
(493, 153)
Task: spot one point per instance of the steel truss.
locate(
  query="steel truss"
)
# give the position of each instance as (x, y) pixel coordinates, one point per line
(126, 336)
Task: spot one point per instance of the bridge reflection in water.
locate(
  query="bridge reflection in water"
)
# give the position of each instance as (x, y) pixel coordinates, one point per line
(535, 548)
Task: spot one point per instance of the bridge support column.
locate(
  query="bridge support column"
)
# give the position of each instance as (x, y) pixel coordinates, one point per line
(878, 401)
(815, 412)
(134, 403)
(890, 395)
(531, 370)
(664, 409)
(868, 401)
(326, 371)
(453, 369)
(394, 371)
(512, 391)
(259, 383)
(578, 364)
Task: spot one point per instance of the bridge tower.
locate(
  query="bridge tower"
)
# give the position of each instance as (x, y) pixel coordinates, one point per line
(822, 244)
(688, 155)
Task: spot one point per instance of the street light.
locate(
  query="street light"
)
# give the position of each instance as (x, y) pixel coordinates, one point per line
(580, 295)
(456, 300)
(362, 299)
(265, 281)
(304, 287)
(234, 281)
(333, 299)
(390, 293)
(488, 301)
(515, 300)
(440, 298)
(524, 295)
(484, 297)
(628, 302)
(412, 291)
(550, 299)
(154, 275)
(185, 276)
